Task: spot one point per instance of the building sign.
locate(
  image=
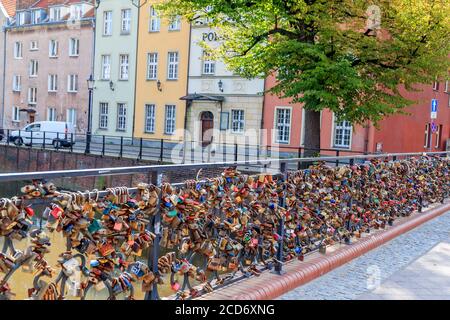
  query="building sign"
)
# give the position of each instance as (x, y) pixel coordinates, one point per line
(210, 36)
(434, 107)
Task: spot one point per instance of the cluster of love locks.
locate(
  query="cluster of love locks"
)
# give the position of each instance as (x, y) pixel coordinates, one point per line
(208, 230)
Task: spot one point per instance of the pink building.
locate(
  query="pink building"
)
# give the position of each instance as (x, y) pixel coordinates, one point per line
(401, 133)
(48, 60)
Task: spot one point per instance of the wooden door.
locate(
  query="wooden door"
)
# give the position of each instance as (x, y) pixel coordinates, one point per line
(207, 119)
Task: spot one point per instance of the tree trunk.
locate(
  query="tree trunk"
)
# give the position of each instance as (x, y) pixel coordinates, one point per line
(312, 133)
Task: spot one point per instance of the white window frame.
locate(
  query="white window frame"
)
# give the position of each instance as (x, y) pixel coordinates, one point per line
(72, 83)
(21, 17)
(152, 66)
(17, 83)
(239, 121)
(436, 85)
(150, 118)
(124, 67)
(76, 12)
(33, 68)
(55, 14)
(173, 60)
(286, 125)
(71, 116)
(51, 114)
(34, 45)
(52, 83)
(209, 66)
(15, 114)
(107, 23)
(154, 21)
(74, 47)
(169, 119)
(125, 21)
(438, 136)
(103, 115)
(427, 136)
(121, 124)
(32, 95)
(18, 50)
(346, 128)
(36, 16)
(446, 86)
(106, 67)
(175, 24)
(53, 48)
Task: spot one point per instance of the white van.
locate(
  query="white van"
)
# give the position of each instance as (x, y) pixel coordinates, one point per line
(59, 134)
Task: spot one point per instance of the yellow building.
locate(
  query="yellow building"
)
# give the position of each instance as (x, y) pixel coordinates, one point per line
(162, 75)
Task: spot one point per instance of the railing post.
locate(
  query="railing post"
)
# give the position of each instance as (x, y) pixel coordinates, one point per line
(7, 136)
(337, 160)
(103, 145)
(281, 202)
(153, 256)
(247, 150)
(161, 151)
(394, 158)
(121, 147)
(31, 140)
(140, 149)
(43, 142)
(235, 152)
(224, 152)
(352, 161)
(71, 142)
(299, 155)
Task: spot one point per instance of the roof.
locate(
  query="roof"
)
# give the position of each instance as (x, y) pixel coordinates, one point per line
(202, 97)
(9, 6)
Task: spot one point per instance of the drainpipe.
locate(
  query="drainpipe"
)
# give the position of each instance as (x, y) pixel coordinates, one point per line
(2, 122)
(135, 74)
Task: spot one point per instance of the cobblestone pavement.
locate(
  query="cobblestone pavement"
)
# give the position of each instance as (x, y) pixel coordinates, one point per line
(392, 270)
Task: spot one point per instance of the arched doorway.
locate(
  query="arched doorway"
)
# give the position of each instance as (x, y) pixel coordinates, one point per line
(207, 119)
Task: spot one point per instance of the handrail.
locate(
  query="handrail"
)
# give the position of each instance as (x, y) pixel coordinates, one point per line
(180, 167)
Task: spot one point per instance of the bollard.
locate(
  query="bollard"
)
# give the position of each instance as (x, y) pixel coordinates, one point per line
(140, 149)
(121, 147)
(103, 146)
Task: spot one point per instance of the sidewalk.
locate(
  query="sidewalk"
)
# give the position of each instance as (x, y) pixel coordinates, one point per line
(415, 265)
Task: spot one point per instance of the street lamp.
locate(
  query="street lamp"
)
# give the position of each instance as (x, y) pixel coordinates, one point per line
(90, 85)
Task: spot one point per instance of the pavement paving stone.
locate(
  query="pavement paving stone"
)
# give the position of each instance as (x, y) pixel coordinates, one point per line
(401, 264)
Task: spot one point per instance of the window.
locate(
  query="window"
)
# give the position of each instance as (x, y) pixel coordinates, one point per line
(436, 85)
(74, 47)
(123, 68)
(33, 127)
(32, 95)
(446, 86)
(55, 14)
(155, 20)
(209, 66)
(52, 83)
(53, 49)
(283, 125)
(33, 45)
(71, 116)
(150, 118)
(106, 67)
(33, 71)
(169, 127)
(72, 83)
(342, 134)
(76, 12)
(121, 116)
(172, 72)
(51, 114)
(35, 16)
(237, 121)
(152, 66)
(17, 83)
(18, 50)
(126, 21)
(427, 136)
(438, 136)
(15, 114)
(21, 18)
(107, 23)
(103, 115)
(175, 23)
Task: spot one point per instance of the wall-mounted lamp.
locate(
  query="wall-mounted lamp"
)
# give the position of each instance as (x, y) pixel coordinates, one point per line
(159, 86)
(220, 84)
(97, 4)
(111, 85)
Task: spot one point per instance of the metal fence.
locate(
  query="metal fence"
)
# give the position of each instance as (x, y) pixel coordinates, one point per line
(161, 150)
(155, 224)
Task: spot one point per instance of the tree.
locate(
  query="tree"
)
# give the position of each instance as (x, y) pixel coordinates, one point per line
(347, 56)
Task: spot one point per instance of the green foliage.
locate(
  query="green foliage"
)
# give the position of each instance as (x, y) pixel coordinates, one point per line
(322, 56)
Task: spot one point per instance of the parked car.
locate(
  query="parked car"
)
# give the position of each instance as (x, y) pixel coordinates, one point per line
(2, 134)
(57, 133)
